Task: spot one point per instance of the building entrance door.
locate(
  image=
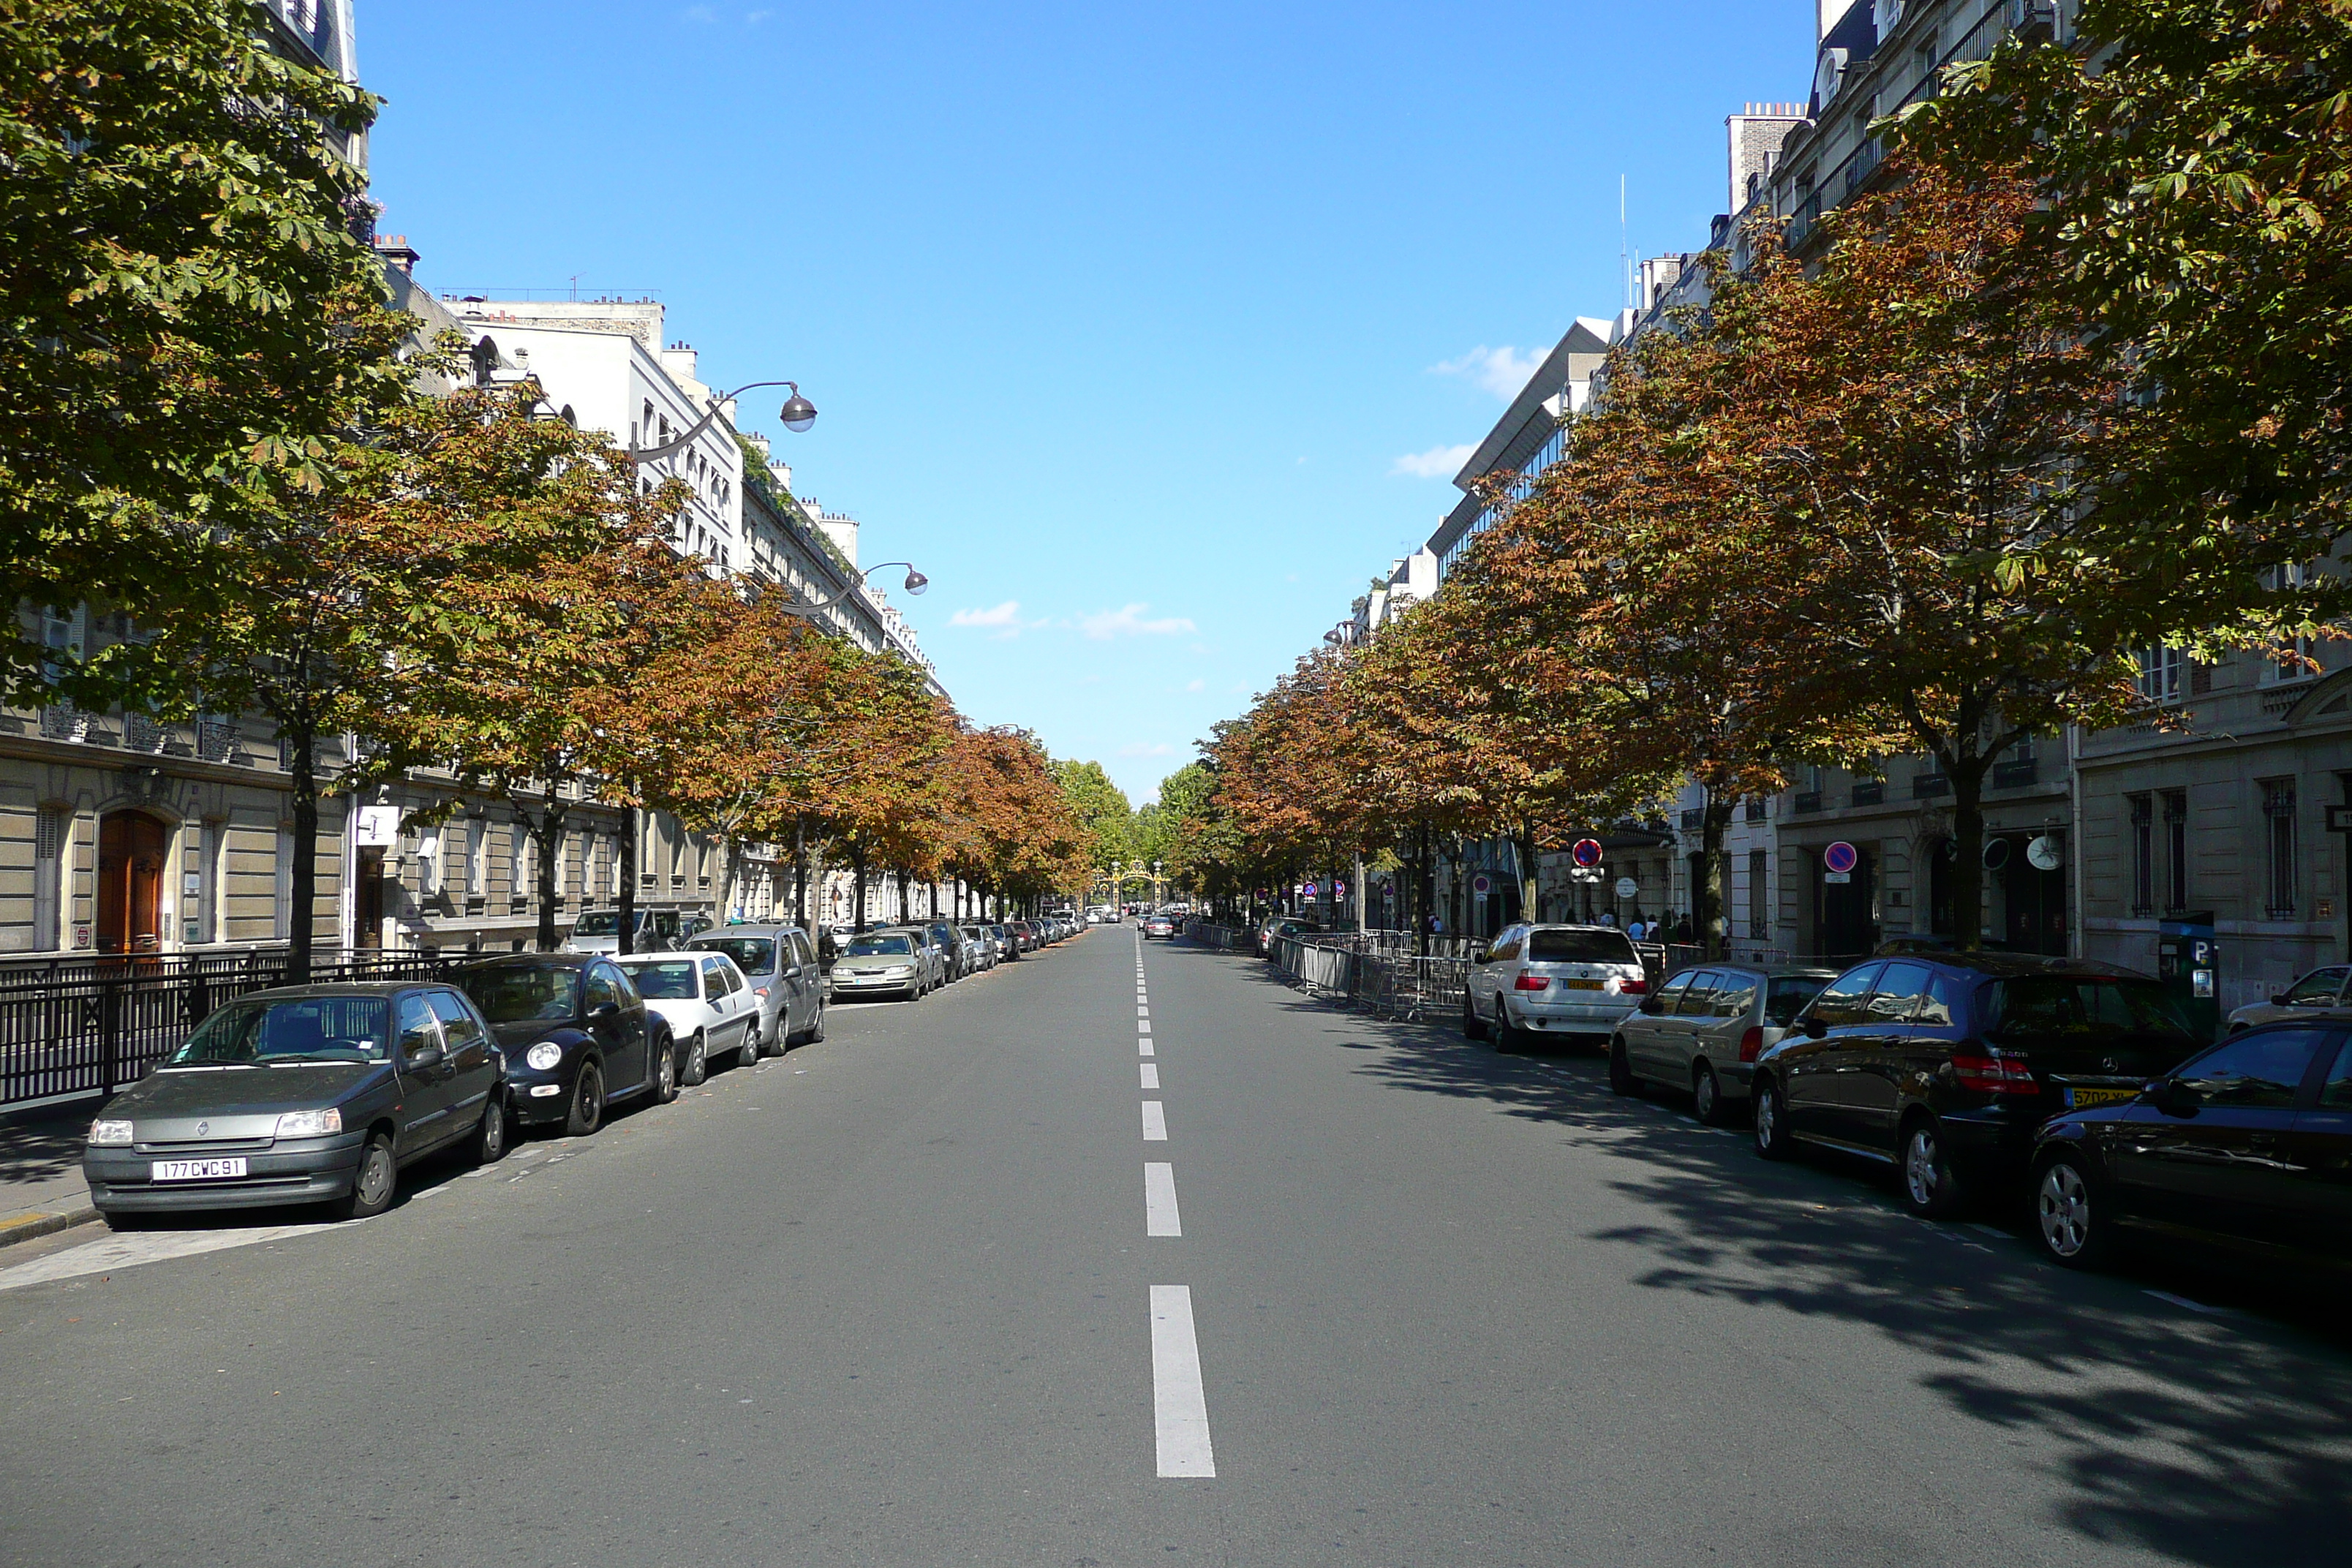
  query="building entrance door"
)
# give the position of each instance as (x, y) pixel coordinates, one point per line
(2034, 902)
(130, 882)
(367, 903)
(1845, 914)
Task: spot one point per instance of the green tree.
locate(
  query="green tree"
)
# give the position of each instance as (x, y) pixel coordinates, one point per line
(1102, 810)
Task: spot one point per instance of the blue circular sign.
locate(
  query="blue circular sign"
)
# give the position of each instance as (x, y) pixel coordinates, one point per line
(1585, 852)
(1841, 856)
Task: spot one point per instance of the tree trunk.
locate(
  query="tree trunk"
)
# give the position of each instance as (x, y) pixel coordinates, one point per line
(1523, 845)
(1707, 918)
(857, 866)
(548, 836)
(730, 867)
(800, 872)
(303, 882)
(1424, 889)
(628, 898)
(1967, 774)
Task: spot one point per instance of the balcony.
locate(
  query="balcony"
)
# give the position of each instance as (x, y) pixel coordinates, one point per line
(1809, 800)
(2035, 21)
(1693, 818)
(1872, 791)
(1802, 220)
(2016, 772)
(1928, 786)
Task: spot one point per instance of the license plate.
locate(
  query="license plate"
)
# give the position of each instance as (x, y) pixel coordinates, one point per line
(2084, 1099)
(1582, 984)
(196, 1170)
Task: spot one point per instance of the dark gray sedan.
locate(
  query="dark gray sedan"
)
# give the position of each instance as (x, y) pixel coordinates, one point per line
(306, 1094)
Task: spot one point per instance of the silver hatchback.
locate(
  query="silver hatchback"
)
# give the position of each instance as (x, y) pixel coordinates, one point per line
(1704, 1029)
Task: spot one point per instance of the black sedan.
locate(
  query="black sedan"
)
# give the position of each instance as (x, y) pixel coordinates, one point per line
(577, 1036)
(305, 1094)
(2247, 1148)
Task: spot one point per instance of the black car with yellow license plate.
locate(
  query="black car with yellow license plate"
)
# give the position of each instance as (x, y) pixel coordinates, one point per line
(302, 1094)
(2246, 1148)
(577, 1036)
(1945, 1066)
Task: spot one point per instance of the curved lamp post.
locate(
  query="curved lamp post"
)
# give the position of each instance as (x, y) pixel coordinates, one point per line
(916, 583)
(798, 414)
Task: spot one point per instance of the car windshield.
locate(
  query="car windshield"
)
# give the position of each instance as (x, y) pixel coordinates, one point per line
(2049, 1005)
(1580, 947)
(601, 922)
(322, 1029)
(1788, 995)
(752, 954)
(667, 980)
(524, 993)
(879, 947)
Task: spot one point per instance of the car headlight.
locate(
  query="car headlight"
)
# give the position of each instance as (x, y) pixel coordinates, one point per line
(901, 969)
(761, 992)
(544, 1055)
(108, 1133)
(310, 1124)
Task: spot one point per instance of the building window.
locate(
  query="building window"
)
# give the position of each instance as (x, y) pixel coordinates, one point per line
(2143, 853)
(478, 859)
(2278, 836)
(1758, 909)
(2175, 849)
(50, 834)
(2159, 674)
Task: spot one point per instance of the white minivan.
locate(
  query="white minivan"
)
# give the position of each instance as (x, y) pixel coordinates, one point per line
(1537, 980)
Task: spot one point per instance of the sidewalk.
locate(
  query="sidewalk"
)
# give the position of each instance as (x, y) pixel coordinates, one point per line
(41, 1189)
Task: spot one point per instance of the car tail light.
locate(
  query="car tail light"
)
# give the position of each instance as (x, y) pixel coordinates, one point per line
(1751, 1043)
(1995, 1074)
(1531, 982)
(1633, 988)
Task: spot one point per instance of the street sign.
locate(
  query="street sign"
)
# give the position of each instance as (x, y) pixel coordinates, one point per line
(1482, 884)
(1837, 879)
(1310, 889)
(378, 827)
(1627, 886)
(2045, 853)
(2339, 819)
(1585, 852)
(1840, 857)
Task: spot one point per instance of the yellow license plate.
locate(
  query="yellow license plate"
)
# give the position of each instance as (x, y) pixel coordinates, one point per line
(1582, 984)
(2084, 1099)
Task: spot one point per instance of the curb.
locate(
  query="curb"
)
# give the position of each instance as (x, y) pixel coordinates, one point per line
(34, 1225)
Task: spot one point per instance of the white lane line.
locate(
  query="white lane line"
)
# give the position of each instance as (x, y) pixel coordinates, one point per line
(1160, 1201)
(1151, 1075)
(1143, 1026)
(1155, 1123)
(114, 1252)
(1143, 1046)
(1141, 1011)
(1180, 1411)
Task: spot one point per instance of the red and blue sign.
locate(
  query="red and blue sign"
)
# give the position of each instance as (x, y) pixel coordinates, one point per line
(1841, 856)
(1585, 852)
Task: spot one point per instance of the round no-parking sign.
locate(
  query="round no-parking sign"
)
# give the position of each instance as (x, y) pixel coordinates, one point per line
(1585, 852)
(1841, 856)
(1482, 883)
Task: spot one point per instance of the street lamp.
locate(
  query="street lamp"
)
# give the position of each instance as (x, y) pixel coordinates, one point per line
(798, 414)
(916, 583)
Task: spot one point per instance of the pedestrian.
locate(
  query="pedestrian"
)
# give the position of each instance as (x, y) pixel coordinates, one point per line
(1683, 930)
(1609, 917)
(1635, 928)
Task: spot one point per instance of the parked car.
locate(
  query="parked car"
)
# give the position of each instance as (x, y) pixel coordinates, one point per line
(1552, 980)
(943, 940)
(2244, 1147)
(883, 963)
(1705, 1028)
(707, 1004)
(979, 948)
(577, 1036)
(2322, 988)
(1158, 925)
(1026, 933)
(1946, 1066)
(1270, 933)
(1008, 945)
(599, 930)
(782, 965)
(303, 1094)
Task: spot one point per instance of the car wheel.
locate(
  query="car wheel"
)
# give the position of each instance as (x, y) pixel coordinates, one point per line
(698, 1061)
(817, 1030)
(751, 1049)
(1931, 1188)
(1772, 1140)
(1706, 1097)
(489, 1142)
(665, 1070)
(1474, 1027)
(587, 1112)
(2068, 1212)
(1507, 1039)
(373, 1184)
(1622, 1080)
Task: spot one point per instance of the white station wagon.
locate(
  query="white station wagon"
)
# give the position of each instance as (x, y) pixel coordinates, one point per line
(1552, 980)
(711, 1008)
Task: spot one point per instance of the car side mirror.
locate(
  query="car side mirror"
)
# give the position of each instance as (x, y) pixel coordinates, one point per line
(604, 1010)
(1812, 1029)
(2175, 1097)
(422, 1058)
(1653, 1005)
(2279, 1000)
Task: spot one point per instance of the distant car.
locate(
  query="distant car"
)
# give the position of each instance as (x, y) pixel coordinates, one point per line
(1703, 1030)
(946, 942)
(1276, 927)
(1946, 1066)
(1024, 933)
(1537, 980)
(706, 1002)
(2320, 989)
(1158, 925)
(304, 1094)
(979, 948)
(577, 1036)
(2243, 1147)
(599, 930)
(1008, 946)
(782, 965)
(883, 963)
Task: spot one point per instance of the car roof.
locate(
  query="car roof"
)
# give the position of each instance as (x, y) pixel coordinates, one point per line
(534, 961)
(2000, 965)
(339, 988)
(743, 928)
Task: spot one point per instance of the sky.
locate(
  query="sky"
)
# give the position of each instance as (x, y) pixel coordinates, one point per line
(1150, 333)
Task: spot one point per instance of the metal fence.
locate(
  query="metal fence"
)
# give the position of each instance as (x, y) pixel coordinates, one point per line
(72, 1027)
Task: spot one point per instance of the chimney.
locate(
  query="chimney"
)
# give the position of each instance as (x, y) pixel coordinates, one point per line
(395, 252)
(678, 359)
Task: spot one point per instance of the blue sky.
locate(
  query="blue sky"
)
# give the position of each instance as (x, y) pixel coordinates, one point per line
(1137, 328)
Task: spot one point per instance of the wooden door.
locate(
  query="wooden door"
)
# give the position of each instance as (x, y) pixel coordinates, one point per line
(130, 882)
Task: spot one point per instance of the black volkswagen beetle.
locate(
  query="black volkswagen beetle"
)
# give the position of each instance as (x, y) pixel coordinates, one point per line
(303, 1094)
(577, 1036)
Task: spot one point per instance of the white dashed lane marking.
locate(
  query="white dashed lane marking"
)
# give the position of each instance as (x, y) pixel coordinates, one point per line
(1151, 1075)
(1160, 1218)
(1180, 1411)
(1155, 1123)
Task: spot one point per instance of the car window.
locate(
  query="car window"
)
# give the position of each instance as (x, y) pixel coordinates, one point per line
(752, 954)
(1788, 995)
(666, 922)
(1506, 949)
(1944, 1000)
(2259, 1070)
(523, 992)
(2317, 989)
(665, 979)
(1843, 1000)
(2335, 1092)
(597, 987)
(1698, 997)
(1671, 991)
(419, 1030)
(1735, 994)
(1582, 947)
(458, 1026)
(2068, 1007)
(893, 946)
(721, 976)
(597, 922)
(334, 1028)
(1896, 997)
(800, 953)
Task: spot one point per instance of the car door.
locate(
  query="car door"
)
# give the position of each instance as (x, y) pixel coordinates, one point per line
(616, 1017)
(1810, 1068)
(2222, 1159)
(1715, 1037)
(1875, 1059)
(2321, 1155)
(474, 1061)
(1668, 1056)
(1641, 1027)
(730, 999)
(1501, 962)
(805, 981)
(426, 1076)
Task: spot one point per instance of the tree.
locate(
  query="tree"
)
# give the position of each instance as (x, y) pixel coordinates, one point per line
(1102, 810)
(180, 276)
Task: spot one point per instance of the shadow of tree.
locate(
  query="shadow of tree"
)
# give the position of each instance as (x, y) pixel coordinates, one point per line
(2220, 1437)
(40, 1146)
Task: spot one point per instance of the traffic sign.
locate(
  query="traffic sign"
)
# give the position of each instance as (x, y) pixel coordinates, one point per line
(1585, 852)
(1627, 886)
(1482, 884)
(1841, 856)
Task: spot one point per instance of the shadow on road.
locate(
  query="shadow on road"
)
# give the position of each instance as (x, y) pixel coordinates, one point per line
(2214, 1437)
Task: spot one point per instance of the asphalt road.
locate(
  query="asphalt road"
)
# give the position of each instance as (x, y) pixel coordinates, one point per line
(895, 1298)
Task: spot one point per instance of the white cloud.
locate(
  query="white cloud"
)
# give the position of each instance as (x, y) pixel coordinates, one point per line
(700, 14)
(1128, 621)
(753, 19)
(1501, 371)
(1154, 749)
(1196, 686)
(1003, 619)
(1437, 463)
